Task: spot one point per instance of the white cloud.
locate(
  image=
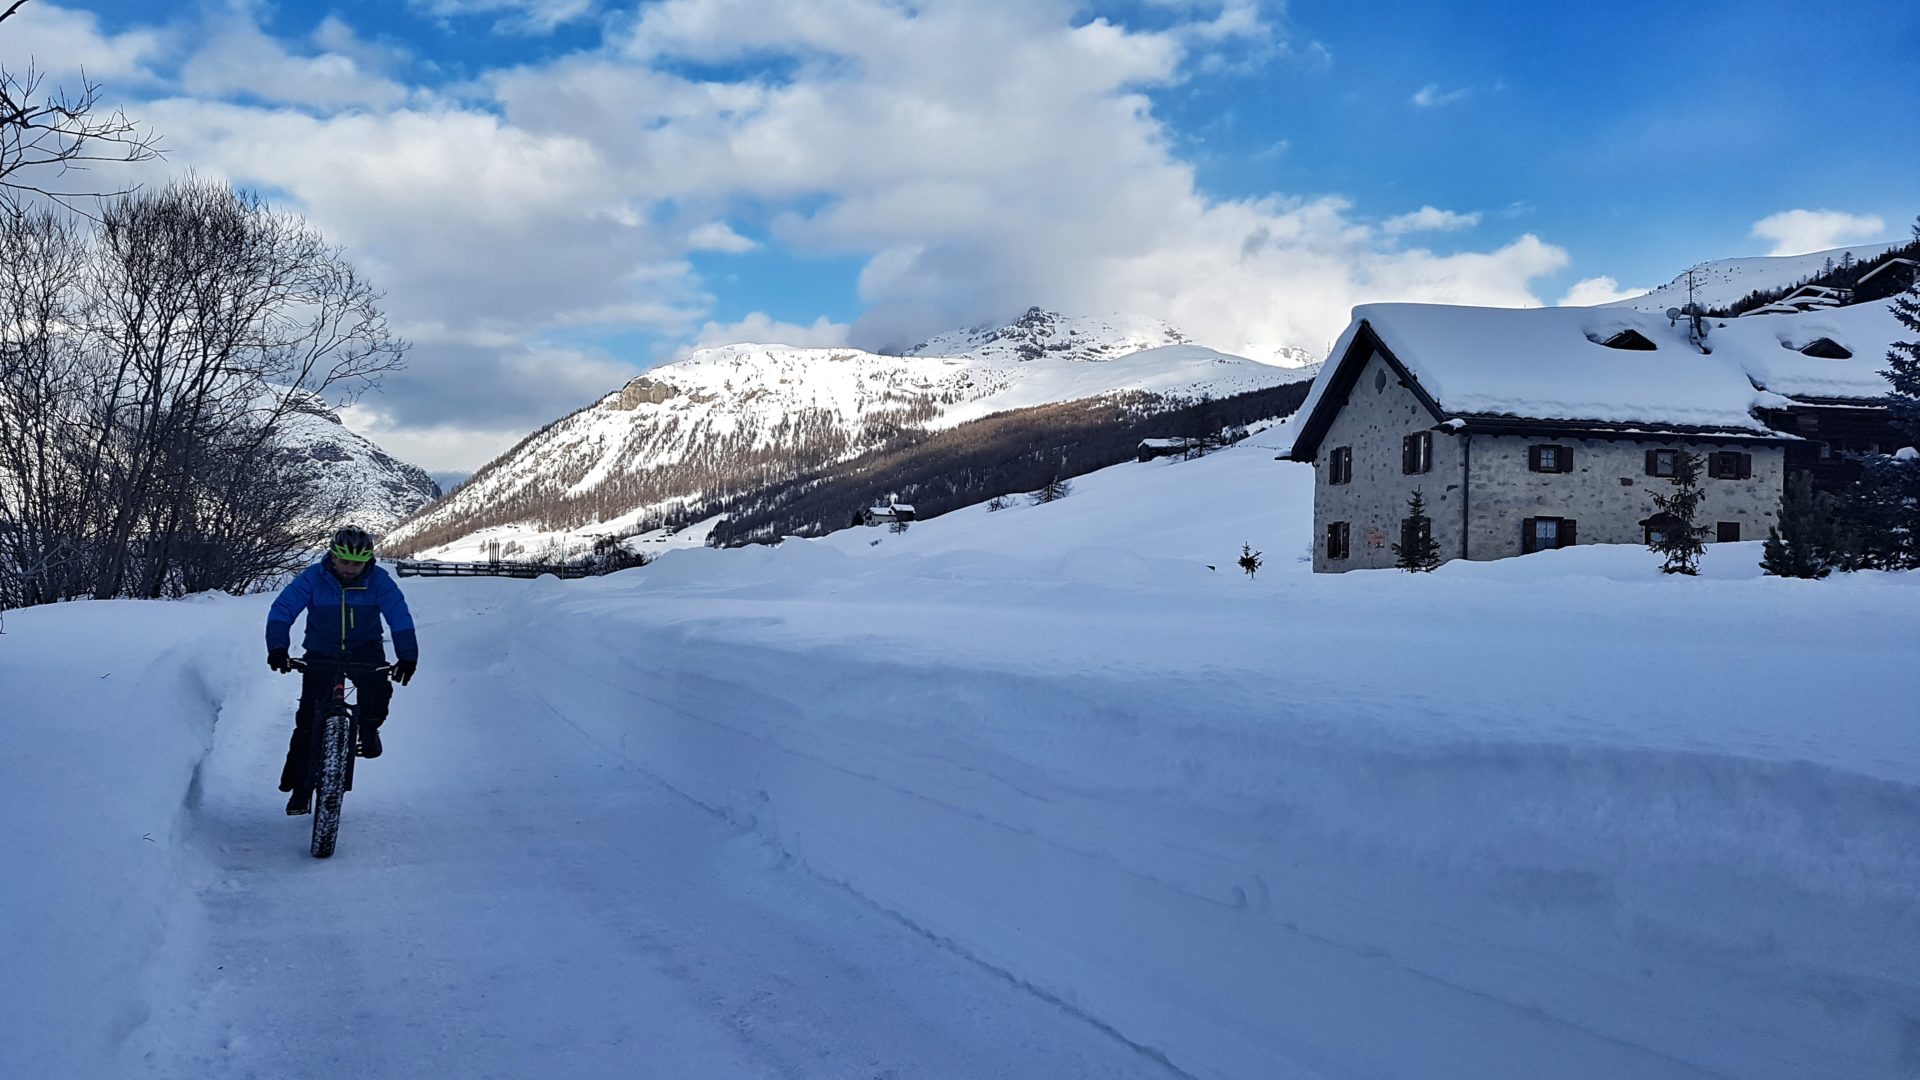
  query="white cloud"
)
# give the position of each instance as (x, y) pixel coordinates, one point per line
(242, 60)
(1588, 292)
(1429, 219)
(433, 447)
(520, 16)
(762, 329)
(1797, 232)
(719, 236)
(980, 156)
(1431, 96)
(62, 43)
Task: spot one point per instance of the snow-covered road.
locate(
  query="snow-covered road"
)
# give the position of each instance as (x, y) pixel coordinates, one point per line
(1031, 793)
(511, 899)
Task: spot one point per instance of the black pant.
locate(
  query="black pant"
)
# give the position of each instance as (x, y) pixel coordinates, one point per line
(316, 687)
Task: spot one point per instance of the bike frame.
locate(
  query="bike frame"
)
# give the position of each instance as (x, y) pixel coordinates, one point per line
(330, 757)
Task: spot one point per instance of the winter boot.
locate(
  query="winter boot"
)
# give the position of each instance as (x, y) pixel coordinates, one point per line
(300, 803)
(369, 741)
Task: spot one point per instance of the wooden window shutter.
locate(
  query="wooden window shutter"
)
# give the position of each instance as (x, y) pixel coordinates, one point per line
(1526, 536)
(1746, 466)
(1653, 463)
(1566, 459)
(1566, 532)
(1713, 465)
(1533, 458)
(1406, 455)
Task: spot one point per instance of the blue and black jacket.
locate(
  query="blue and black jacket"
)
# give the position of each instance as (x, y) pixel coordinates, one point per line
(342, 617)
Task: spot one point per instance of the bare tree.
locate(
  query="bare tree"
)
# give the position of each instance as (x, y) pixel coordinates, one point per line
(148, 368)
(48, 133)
(1053, 490)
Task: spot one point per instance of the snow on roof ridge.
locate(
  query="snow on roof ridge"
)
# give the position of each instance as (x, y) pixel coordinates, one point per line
(1551, 364)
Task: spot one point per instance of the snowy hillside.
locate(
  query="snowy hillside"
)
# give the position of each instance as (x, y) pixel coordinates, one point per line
(1033, 793)
(378, 488)
(669, 436)
(1719, 283)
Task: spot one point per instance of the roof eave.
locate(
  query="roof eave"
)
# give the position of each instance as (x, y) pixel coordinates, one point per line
(1345, 374)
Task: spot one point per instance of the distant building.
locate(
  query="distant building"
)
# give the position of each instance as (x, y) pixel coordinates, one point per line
(882, 515)
(1537, 428)
(1157, 448)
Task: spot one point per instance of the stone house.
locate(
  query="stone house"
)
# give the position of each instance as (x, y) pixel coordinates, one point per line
(883, 515)
(1527, 429)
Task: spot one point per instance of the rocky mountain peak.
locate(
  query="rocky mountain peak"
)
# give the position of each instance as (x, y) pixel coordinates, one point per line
(1039, 332)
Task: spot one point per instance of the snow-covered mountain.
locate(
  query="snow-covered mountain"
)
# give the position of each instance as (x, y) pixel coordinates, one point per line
(726, 419)
(1041, 333)
(1719, 283)
(377, 488)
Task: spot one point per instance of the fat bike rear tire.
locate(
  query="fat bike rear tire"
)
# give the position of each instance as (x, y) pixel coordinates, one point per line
(330, 793)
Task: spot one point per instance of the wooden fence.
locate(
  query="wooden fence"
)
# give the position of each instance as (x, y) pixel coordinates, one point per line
(424, 568)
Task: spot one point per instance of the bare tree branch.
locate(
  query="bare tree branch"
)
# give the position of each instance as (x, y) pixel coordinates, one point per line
(58, 132)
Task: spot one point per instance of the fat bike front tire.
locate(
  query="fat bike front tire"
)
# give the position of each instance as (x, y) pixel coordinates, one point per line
(330, 793)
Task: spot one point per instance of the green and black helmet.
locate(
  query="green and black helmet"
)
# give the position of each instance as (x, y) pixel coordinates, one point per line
(352, 544)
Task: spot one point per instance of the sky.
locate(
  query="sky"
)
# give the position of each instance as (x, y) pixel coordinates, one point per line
(556, 194)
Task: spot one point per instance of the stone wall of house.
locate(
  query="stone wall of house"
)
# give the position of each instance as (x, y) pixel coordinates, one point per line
(1608, 493)
(1378, 413)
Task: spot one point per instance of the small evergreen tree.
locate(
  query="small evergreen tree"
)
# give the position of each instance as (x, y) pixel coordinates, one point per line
(1892, 484)
(1681, 540)
(1903, 359)
(1417, 551)
(1249, 559)
(998, 502)
(1802, 545)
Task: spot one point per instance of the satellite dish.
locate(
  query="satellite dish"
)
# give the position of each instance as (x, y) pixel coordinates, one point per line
(1673, 314)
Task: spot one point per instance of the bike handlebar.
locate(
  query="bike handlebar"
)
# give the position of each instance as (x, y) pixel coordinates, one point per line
(302, 663)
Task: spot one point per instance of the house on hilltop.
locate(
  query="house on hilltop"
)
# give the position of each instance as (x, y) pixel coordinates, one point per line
(1528, 429)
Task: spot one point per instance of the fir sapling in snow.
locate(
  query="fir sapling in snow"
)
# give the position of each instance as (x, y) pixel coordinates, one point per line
(1674, 530)
(1417, 550)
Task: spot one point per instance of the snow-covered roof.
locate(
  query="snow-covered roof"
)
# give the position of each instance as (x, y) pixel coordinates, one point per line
(1549, 364)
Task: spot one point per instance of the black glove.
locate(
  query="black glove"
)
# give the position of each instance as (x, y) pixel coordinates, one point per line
(277, 660)
(403, 671)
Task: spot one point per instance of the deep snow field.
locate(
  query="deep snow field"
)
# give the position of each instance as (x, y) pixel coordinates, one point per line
(1034, 793)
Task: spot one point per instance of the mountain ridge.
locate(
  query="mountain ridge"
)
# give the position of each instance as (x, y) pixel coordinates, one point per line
(732, 420)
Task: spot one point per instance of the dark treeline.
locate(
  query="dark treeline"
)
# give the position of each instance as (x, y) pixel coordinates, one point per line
(150, 357)
(1007, 453)
(1843, 274)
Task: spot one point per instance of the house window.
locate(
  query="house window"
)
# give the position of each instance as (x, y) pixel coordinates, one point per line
(1726, 532)
(1545, 533)
(1414, 533)
(1556, 459)
(1630, 339)
(1729, 465)
(1663, 462)
(1657, 528)
(1337, 540)
(1416, 452)
(1340, 466)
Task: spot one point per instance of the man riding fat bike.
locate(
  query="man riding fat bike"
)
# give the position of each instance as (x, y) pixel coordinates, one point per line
(345, 596)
